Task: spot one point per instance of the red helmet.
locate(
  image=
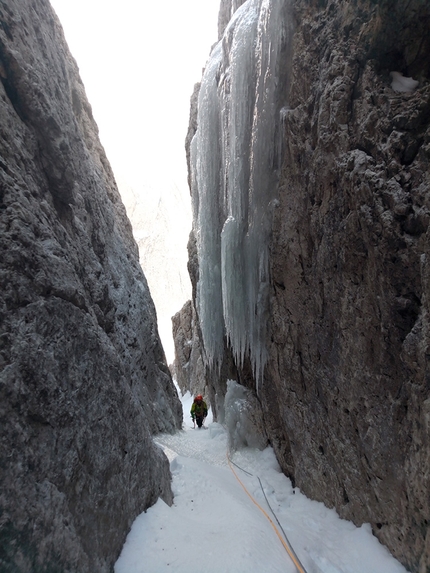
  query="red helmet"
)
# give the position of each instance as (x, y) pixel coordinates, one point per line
(199, 397)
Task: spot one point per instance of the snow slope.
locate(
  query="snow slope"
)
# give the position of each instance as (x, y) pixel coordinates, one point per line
(214, 527)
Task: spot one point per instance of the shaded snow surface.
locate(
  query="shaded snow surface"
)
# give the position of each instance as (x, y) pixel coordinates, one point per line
(401, 84)
(214, 527)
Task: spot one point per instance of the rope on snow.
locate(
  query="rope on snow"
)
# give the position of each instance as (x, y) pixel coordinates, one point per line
(287, 545)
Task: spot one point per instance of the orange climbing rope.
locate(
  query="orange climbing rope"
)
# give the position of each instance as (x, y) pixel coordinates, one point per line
(284, 542)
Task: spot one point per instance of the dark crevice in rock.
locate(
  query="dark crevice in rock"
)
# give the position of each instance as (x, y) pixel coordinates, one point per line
(9, 85)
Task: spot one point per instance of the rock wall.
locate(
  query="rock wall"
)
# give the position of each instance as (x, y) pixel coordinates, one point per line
(350, 324)
(188, 367)
(83, 378)
(157, 217)
(346, 387)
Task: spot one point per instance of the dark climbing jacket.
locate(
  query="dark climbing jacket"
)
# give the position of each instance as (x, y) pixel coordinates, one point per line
(199, 410)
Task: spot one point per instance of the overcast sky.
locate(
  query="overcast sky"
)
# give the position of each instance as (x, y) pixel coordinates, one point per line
(139, 61)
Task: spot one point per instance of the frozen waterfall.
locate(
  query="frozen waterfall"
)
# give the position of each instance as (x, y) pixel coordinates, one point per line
(235, 160)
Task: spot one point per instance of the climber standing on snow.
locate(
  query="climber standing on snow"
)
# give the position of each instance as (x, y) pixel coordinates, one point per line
(199, 411)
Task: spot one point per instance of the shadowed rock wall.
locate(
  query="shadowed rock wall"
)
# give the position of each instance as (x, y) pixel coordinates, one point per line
(346, 389)
(350, 327)
(188, 367)
(83, 377)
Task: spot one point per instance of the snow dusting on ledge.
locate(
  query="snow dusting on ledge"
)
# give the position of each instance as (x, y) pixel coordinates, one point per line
(401, 84)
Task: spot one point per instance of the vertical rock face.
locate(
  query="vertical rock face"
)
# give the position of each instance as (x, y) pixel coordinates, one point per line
(346, 389)
(188, 366)
(83, 379)
(157, 219)
(349, 269)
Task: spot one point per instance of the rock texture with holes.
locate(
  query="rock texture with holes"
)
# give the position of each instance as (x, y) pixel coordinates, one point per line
(346, 387)
(83, 378)
(188, 367)
(350, 326)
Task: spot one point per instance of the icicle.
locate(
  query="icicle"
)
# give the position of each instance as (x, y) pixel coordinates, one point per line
(206, 161)
(234, 288)
(235, 174)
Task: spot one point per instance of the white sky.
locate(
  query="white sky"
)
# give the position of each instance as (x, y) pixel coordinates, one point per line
(139, 61)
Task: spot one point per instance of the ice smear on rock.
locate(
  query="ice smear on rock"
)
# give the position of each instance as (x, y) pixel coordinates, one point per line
(243, 426)
(234, 157)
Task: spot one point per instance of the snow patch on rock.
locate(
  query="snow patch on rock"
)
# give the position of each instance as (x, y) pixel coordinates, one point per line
(402, 84)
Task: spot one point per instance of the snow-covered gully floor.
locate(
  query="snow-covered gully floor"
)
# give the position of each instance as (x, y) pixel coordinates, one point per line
(213, 526)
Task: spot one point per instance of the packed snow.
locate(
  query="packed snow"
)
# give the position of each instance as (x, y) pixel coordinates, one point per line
(215, 527)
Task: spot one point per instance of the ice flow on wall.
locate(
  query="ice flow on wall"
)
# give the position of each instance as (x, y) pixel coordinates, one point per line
(234, 158)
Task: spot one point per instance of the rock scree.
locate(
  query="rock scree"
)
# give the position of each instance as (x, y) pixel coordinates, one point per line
(83, 377)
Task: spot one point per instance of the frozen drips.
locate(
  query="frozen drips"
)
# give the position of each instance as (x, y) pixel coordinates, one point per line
(235, 161)
(206, 182)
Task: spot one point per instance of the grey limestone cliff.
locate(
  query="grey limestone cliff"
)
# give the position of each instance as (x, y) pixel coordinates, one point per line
(345, 390)
(349, 264)
(188, 367)
(83, 378)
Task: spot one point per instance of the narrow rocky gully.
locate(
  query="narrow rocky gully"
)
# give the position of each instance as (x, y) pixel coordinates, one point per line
(306, 325)
(234, 511)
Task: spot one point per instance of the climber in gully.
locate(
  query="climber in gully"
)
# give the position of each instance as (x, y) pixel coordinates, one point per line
(199, 411)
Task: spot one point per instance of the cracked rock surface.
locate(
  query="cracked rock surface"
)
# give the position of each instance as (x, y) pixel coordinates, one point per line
(350, 325)
(346, 389)
(83, 377)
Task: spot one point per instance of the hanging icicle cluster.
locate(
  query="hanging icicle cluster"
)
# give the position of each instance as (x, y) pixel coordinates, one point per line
(235, 156)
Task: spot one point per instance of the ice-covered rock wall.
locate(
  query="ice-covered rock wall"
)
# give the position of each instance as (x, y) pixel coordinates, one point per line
(83, 378)
(243, 418)
(345, 389)
(234, 162)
